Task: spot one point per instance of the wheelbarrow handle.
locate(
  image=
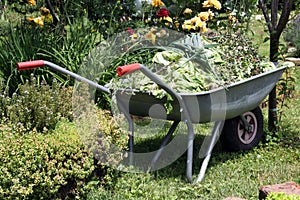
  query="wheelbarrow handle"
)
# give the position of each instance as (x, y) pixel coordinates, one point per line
(30, 64)
(127, 69)
(39, 63)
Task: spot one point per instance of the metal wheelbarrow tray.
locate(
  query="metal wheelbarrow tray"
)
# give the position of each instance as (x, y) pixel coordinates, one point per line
(236, 106)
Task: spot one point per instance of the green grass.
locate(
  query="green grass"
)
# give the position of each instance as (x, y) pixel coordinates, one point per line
(229, 174)
(260, 34)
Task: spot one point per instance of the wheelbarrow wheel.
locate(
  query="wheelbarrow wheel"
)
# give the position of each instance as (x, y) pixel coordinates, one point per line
(239, 135)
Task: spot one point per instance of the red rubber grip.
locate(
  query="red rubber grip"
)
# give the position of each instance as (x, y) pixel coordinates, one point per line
(30, 64)
(128, 69)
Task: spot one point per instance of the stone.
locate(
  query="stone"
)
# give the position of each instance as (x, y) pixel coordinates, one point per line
(234, 198)
(296, 61)
(287, 187)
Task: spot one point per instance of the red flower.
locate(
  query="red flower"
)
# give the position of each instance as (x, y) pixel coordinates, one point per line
(130, 31)
(163, 13)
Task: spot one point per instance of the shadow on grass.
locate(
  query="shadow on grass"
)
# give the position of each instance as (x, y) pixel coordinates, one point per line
(177, 169)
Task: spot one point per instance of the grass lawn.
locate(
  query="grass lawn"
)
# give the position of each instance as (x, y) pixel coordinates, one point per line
(229, 174)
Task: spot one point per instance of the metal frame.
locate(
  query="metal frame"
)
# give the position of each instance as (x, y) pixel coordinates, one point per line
(184, 110)
(185, 113)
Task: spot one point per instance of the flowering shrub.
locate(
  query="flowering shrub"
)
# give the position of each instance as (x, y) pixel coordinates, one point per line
(45, 17)
(180, 18)
(36, 106)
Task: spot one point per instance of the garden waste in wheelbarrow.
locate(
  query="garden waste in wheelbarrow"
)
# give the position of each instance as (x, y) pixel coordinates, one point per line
(237, 103)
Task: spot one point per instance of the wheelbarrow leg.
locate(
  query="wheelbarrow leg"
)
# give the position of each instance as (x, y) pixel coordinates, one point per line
(215, 133)
(125, 111)
(164, 143)
(189, 161)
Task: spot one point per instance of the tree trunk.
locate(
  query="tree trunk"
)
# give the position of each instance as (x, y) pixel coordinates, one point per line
(275, 27)
(272, 114)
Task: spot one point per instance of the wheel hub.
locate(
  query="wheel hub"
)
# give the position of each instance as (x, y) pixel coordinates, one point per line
(247, 128)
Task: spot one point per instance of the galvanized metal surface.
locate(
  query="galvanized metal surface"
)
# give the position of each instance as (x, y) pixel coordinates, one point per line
(217, 104)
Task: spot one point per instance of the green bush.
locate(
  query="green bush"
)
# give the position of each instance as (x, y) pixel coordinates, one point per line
(37, 106)
(111, 16)
(282, 196)
(57, 165)
(38, 166)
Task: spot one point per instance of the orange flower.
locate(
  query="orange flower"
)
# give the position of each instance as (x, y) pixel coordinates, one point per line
(31, 2)
(157, 3)
(38, 20)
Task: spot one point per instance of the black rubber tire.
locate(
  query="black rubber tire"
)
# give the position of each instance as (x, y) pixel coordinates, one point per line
(235, 137)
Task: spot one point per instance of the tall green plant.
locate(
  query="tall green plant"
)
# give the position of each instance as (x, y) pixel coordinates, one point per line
(23, 43)
(79, 40)
(29, 42)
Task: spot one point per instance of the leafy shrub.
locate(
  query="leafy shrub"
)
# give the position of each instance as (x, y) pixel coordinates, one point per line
(58, 164)
(37, 166)
(110, 16)
(101, 132)
(282, 196)
(37, 106)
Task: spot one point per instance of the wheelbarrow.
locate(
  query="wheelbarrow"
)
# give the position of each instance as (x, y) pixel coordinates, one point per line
(234, 110)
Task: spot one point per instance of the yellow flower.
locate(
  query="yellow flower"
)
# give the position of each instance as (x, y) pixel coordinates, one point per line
(217, 5)
(162, 33)
(150, 36)
(211, 14)
(200, 23)
(157, 3)
(48, 19)
(232, 18)
(212, 3)
(187, 27)
(176, 23)
(203, 28)
(134, 37)
(37, 20)
(187, 11)
(204, 16)
(194, 20)
(31, 2)
(44, 11)
(169, 19)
